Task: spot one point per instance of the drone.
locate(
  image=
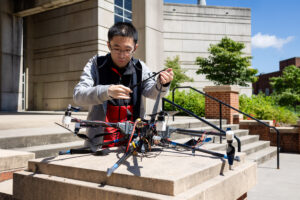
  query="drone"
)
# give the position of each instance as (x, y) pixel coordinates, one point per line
(141, 135)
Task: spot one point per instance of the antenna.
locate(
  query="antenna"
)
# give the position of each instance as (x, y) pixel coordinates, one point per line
(202, 2)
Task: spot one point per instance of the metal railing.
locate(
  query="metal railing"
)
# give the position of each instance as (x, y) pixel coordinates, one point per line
(220, 113)
(222, 132)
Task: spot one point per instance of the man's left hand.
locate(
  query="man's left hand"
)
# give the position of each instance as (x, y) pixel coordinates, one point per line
(166, 76)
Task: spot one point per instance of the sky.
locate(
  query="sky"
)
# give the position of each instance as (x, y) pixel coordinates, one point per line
(275, 29)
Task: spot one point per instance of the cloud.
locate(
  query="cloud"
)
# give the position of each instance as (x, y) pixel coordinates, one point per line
(264, 41)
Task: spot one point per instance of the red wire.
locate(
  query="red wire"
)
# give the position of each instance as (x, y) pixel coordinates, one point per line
(131, 135)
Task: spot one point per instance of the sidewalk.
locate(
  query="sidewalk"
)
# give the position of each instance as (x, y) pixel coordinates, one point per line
(274, 184)
(33, 119)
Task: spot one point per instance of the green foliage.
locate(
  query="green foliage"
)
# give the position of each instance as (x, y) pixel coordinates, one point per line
(287, 86)
(266, 108)
(259, 106)
(191, 101)
(179, 76)
(226, 64)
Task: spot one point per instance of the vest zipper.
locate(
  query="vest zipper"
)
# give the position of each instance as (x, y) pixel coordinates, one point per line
(120, 80)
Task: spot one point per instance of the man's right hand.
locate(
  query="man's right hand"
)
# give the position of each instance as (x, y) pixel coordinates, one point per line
(119, 92)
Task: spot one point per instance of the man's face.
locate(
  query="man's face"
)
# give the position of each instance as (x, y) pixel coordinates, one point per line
(122, 49)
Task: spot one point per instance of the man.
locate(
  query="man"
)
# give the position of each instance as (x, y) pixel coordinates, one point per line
(107, 83)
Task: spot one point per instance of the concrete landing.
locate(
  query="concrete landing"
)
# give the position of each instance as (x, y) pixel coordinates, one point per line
(162, 174)
(14, 160)
(11, 161)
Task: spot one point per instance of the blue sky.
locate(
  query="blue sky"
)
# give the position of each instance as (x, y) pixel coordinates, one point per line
(275, 29)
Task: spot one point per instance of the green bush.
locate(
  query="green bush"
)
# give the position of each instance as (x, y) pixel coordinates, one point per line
(259, 106)
(179, 73)
(266, 108)
(191, 101)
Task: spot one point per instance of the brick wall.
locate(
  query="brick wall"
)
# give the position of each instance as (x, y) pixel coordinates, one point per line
(289, 136)
(228, 95)
(264, 79)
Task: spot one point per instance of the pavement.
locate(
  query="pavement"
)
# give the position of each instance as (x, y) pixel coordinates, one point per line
(274, 184)
(33, 119)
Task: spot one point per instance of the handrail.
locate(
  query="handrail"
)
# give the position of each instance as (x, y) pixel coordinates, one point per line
(192, 114)
(222, 132)
(222, 103)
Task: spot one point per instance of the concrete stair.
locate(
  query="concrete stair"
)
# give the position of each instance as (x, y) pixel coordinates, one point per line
(51, 149)
(48, 141)
(256, 150)
(153, 177)
(43, 142)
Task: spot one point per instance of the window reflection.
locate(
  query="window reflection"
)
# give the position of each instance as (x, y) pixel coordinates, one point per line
(123, 11)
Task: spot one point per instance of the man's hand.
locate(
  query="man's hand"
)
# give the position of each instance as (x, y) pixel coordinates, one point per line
(119, 92)
(166, 76)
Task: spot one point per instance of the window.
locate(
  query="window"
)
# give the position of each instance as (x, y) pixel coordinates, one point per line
(123, 11)
(267, 91)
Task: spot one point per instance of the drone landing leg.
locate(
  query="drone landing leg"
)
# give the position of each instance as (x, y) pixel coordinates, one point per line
(120, 161)
(76, 151)
(230, 159)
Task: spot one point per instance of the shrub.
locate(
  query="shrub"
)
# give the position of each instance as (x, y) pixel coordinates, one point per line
(191, 101)
(266, 108)
(259, 106)
(179, 73)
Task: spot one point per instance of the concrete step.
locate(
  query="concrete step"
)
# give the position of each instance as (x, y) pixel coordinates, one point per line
(263, 155)
(241, 132)
(13, 160)
(224, 187)
(191, 122)
(255, 146)
(258, 151)
(222, 147)
(233, 127)
(28, 137)
(6, 190)
(157, 169)
(245, 140)
(18, 138)
(224, 127)
(54, 187)
(51, 149)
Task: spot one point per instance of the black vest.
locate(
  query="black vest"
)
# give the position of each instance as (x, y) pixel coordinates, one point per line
(131, 76)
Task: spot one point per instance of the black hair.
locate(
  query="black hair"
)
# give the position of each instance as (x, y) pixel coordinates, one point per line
(123, 29)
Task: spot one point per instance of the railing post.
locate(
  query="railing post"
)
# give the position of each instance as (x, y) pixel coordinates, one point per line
(278, 147)
(162, 104)
(220, 107)
(173, 97)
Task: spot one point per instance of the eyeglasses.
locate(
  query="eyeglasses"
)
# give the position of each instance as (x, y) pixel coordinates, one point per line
(126, 52)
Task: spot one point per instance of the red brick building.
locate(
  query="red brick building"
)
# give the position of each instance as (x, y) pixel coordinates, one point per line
(263, 83)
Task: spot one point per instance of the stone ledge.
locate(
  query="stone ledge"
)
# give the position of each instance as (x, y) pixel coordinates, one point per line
(222, 88)
(13, 160)
(286, 130)
(253, 122)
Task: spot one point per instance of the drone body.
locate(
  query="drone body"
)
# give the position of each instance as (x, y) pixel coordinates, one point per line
(140, 136)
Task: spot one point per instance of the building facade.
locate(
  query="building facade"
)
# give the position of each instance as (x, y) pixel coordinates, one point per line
(46, 43)
(263, 83)
(190, 29)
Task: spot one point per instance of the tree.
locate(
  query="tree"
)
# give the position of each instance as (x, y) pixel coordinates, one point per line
(226, 64)
(179, 76)
(287, 86)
